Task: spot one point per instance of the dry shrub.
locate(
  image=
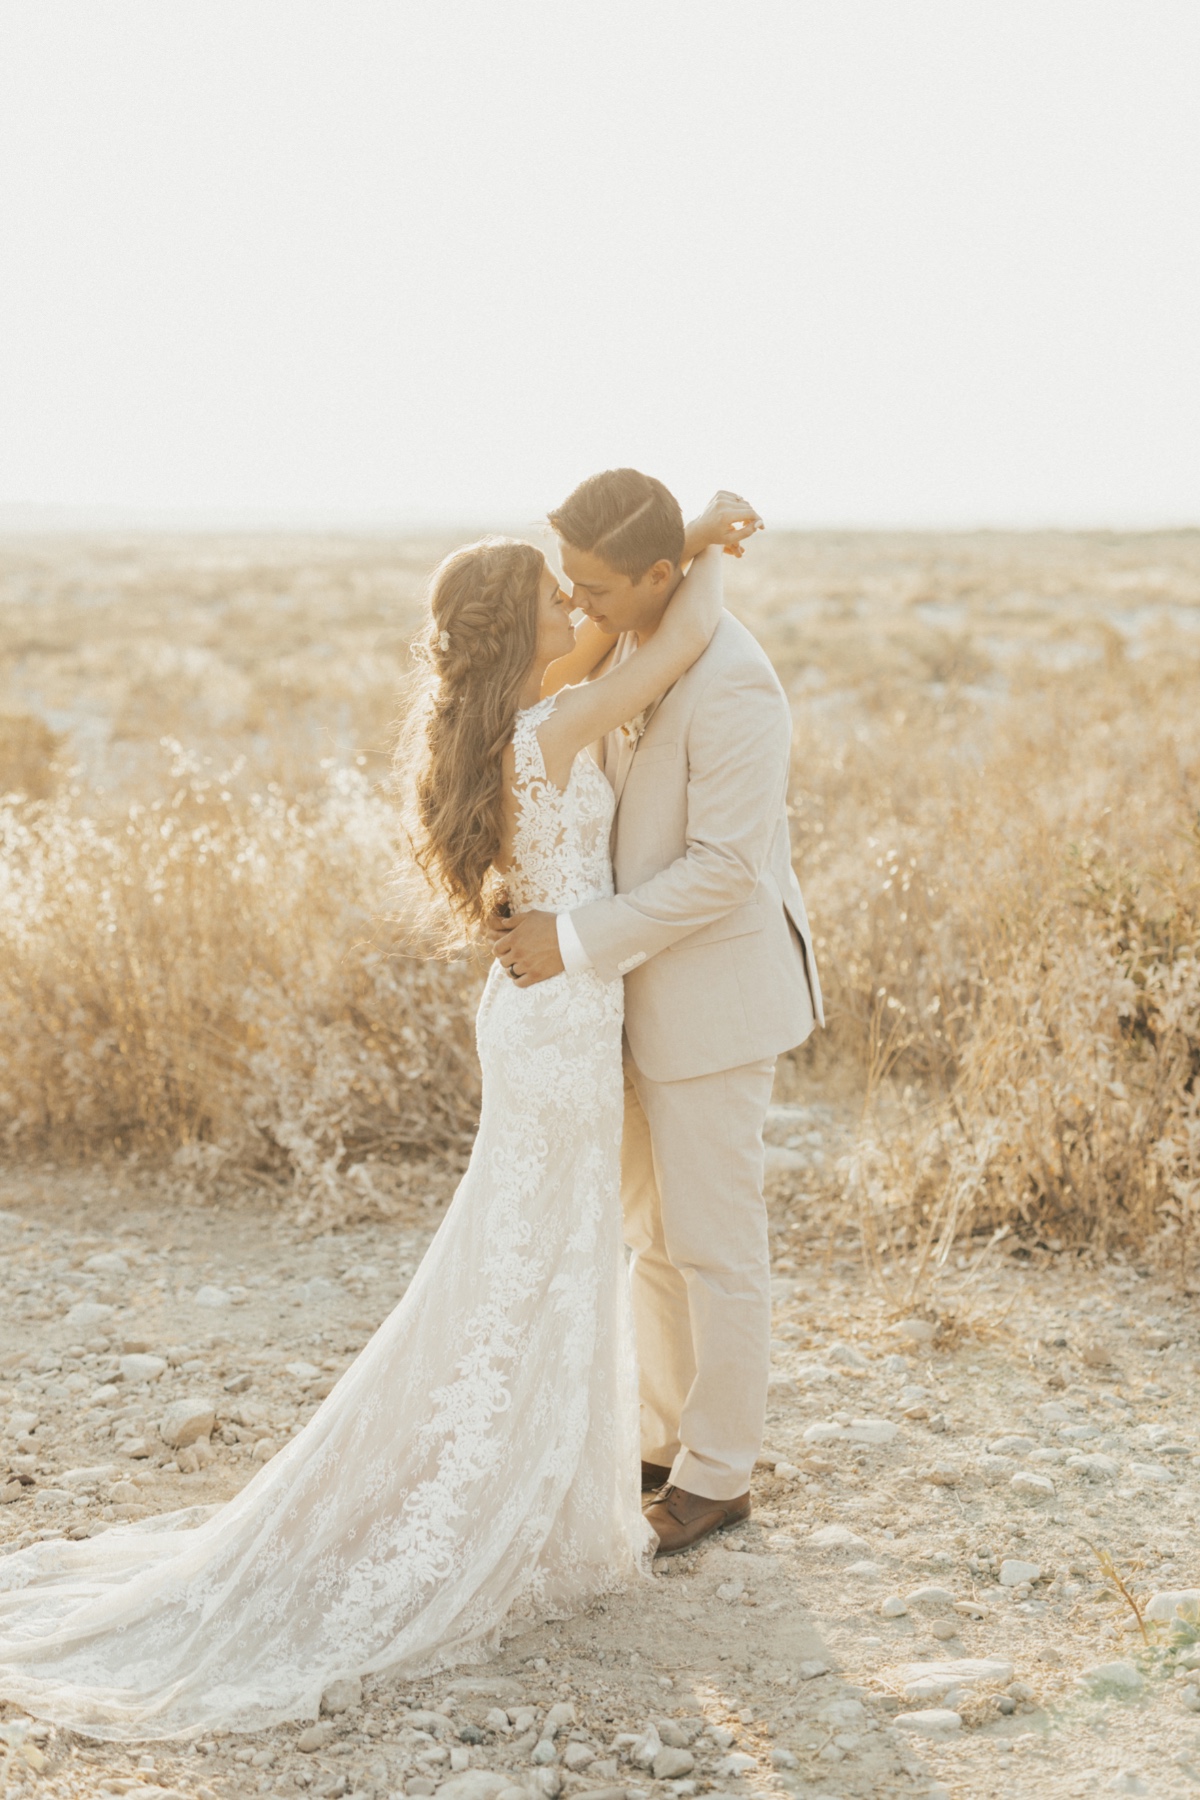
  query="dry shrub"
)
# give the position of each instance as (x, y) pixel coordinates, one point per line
(206, 976)
(28, 756)
(1005, 887)
(1017, 972)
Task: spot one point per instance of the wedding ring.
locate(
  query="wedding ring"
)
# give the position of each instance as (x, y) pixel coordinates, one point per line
(512, 969)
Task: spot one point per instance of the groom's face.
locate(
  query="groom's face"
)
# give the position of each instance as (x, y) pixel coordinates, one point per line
(616, 602)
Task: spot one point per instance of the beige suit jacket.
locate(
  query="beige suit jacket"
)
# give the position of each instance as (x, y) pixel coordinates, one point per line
(708, 925)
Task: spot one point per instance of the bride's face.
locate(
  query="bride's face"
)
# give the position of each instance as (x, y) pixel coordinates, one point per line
(556, 636)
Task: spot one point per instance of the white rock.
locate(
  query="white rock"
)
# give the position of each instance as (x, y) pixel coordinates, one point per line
(209, 1295)
(303, 1371)
(934, 1680)
(438, 1724)
(671, 1765)
(1015, 1573)
(1114, 1678)
(645, 1747)
(543, 1752)
(90, 1477)
(893, 1607)
(1128, 1781)
(836, 1537)
(85, 1315)
(918, 1331)
(1054, 1412)
(931, 1599)
(107, 1262)
(993, 1469)
(578, 1756)
(729, 1591)
(1154, 1472)
(786, 1471)
(475, 1784)
(341, 1695)
(846, 1356)
(784, 1759)
(823, 1432)
(811, 1667)
(1183, 1603)
(1032, 1487)
(185, 1421)
(1094, 1466)
(872, 1431)
(736, 1764)
(1012, 1445)
(864, 1571)
(935, 1722)
(314, 1737)
(136, 1369)
(895, 1364)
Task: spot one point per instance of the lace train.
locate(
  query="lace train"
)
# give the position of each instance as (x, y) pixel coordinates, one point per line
(476, 1467)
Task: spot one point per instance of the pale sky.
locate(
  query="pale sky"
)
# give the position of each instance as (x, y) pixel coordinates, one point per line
(871, 262)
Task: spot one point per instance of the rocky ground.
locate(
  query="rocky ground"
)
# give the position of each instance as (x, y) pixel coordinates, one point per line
(919, 1606)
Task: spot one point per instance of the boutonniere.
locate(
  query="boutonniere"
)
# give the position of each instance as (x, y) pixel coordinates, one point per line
(633, 729)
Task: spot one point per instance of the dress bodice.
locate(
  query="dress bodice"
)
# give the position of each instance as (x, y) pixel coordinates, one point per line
(560, 851)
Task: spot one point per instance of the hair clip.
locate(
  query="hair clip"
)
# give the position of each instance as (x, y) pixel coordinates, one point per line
(444, 641)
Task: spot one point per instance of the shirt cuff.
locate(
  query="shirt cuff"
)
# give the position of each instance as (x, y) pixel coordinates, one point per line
(575, 957)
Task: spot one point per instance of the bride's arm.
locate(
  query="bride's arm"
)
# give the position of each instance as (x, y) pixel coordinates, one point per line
(586, 713)
(591, 647)
(726, 522)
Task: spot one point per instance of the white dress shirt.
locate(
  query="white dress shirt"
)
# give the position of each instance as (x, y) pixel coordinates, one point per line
(575, 957)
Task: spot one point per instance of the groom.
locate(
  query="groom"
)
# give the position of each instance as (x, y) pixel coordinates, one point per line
(709, 930)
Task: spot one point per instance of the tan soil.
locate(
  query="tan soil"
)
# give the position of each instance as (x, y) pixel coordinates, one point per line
(759, 1634)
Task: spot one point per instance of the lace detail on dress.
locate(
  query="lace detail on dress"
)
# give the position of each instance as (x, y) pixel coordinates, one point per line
(474, 1469)
(561, 844)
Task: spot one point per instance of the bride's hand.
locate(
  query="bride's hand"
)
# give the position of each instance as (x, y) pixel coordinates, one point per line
(727, 521)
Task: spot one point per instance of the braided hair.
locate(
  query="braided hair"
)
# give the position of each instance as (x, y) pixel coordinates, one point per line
(474, 655)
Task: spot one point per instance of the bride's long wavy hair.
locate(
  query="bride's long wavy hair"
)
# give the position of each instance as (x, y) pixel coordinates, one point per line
(473, 659)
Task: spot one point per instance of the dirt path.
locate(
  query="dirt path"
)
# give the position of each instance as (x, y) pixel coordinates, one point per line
(786, 1657)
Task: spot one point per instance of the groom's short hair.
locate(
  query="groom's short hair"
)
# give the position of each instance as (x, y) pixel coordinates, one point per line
(626, 518)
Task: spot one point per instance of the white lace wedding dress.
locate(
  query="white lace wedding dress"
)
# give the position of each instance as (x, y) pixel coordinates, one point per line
(477, 1466)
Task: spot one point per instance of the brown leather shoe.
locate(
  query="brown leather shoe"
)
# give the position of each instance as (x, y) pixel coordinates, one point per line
(654, 1476)
(681, 1518)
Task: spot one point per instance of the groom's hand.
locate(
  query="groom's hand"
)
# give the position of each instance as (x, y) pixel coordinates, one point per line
(529, 950)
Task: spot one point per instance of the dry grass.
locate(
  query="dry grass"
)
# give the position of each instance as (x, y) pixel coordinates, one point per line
(997, 784)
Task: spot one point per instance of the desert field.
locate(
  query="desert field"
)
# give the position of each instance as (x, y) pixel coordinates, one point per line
(225, 1063)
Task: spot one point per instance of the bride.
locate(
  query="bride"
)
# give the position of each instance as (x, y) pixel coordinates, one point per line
(478, 1465)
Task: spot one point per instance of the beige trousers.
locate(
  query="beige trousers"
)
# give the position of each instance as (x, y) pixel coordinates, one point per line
(691, 1191)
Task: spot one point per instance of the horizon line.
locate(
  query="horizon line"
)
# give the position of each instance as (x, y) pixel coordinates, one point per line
(55, 518)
